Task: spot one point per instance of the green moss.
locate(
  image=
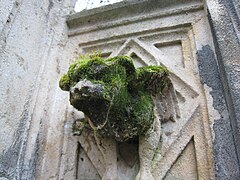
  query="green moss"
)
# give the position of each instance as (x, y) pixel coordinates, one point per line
(64, 82)
(115, 95)
(153, 79)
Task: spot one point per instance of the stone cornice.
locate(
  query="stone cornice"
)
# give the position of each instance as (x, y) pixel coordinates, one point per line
(118, 14)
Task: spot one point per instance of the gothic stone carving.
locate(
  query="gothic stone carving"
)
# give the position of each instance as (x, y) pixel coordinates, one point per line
(118, 102)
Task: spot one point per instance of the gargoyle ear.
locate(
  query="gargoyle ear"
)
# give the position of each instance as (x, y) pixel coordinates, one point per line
(64, 83)
(125, 62)
(128, 64)
(154, 79)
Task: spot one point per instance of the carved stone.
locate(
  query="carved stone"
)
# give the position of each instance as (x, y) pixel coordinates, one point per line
(119, 103)
(38, 41)
(168, 35)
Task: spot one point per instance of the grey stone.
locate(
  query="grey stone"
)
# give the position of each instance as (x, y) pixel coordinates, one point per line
(225, 24)
(224, 149)
(27, 32)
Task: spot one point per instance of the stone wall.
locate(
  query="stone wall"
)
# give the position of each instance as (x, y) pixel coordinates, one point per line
(36, 47)
(31, 36)
(225, 25)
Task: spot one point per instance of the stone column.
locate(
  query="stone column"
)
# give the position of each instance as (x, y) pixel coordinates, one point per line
(225, 26)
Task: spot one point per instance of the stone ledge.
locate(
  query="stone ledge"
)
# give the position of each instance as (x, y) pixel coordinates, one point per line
(99, 18)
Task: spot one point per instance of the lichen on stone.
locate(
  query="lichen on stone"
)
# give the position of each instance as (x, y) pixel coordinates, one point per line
(114, 95)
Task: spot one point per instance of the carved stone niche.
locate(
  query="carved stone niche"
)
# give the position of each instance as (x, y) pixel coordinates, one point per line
(167, 33)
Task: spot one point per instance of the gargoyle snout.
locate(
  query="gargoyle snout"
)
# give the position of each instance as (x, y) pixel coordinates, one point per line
(86, 88)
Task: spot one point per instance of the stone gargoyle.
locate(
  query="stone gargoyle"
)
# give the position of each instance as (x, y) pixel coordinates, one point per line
(121, 103)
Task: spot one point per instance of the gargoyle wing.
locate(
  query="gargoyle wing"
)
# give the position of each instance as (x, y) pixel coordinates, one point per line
(167, 104)
(155, 79)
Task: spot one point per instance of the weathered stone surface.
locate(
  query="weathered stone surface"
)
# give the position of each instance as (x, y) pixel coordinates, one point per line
(28, 32)
(5, 12)
(226, 164)
(185, 163)
(225, 24)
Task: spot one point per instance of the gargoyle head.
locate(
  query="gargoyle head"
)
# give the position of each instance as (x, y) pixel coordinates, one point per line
(114, 95)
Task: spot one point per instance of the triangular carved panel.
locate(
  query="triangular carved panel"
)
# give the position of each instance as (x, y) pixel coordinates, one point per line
(138, 62)
(186, 165)
(85, 168)
(173, 50)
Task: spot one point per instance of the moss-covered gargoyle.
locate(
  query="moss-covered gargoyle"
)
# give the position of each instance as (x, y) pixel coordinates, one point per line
(118, 99)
